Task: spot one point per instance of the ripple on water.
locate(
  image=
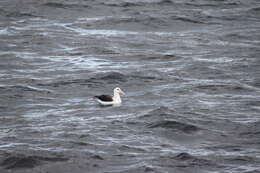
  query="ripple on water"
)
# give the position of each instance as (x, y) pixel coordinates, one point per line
(19, 161)
(164, 118)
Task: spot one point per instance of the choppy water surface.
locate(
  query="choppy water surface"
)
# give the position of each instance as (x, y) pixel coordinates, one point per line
(190, 69)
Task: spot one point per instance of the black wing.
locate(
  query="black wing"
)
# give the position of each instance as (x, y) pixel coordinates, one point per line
(105, 98)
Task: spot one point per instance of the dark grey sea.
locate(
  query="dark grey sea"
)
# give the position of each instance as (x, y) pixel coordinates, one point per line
(190, 70)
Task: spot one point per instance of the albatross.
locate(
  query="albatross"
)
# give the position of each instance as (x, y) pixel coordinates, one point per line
(107, 100)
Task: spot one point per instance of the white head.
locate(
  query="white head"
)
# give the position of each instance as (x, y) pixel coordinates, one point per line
(118, 91)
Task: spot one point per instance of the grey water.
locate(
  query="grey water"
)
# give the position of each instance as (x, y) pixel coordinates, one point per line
(190, 70)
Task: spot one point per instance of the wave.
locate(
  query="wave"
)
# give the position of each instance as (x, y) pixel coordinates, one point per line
(137, 19)
(187, 19)
(160, 57)
(228, 88)
(134, 21)
(98, 79)
(111, 77)
(214, 3)
(161, 112)
(16, 14)
(185, 160)
(174, 125)
(23, 161)
(105, 78)
(255, 9)
(65, 6)
(21, 88)
(251, 131)
(165, 118)
(226, 147)
(127, 4)
(243, 160)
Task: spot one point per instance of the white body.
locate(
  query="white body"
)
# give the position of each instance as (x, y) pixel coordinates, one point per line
(108, 103)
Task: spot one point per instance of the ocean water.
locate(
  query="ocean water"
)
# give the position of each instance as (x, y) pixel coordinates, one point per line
(190, 70)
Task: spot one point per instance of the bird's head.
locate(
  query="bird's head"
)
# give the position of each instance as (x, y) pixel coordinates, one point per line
(119, 91)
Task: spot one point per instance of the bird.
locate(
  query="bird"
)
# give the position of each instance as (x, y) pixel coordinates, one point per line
(107, 100)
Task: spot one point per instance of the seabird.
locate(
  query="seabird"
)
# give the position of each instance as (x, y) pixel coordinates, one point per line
(110, 100)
